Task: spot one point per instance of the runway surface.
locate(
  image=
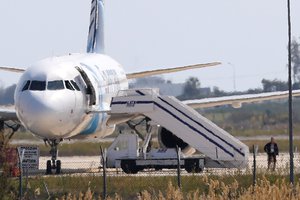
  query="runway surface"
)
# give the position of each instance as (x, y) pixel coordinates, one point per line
(91, 164)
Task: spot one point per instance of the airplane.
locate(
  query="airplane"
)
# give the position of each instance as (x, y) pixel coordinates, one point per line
(68, 97)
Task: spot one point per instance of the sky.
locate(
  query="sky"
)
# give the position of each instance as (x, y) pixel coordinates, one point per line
(249, 37)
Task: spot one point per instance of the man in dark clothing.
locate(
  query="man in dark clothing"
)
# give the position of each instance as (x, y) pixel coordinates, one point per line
(271, 149)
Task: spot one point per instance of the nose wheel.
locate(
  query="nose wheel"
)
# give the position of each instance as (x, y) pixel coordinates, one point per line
(53, 164)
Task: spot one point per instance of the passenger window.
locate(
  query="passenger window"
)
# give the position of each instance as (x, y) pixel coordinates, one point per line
(38, 85)
(26, 86)
(55, 85)
(75, 85)
(69, 85)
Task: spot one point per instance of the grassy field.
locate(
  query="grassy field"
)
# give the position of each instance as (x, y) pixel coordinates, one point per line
(131, 187)
(93, 148)
(235, 132)
(282, 144)
(25, 136)
(267, 118)
(75, 149)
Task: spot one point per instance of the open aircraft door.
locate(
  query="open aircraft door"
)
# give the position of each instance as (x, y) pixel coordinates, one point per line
(90, 90)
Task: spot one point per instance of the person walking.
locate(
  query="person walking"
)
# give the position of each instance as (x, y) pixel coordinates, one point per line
(272, 150)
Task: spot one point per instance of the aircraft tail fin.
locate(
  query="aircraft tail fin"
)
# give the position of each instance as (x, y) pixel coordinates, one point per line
(95, 43)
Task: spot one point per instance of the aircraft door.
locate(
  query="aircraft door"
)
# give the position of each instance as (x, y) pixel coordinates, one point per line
(90, 90)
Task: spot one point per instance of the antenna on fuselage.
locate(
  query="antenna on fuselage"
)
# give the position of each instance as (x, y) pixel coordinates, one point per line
(95, 43)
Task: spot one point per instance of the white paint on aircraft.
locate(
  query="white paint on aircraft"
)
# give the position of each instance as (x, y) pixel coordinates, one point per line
(52, 98)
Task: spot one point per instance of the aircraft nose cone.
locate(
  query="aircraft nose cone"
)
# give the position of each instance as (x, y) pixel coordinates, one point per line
(47, 114)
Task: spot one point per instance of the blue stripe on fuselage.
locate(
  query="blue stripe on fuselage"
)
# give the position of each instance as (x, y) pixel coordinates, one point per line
(92, 127)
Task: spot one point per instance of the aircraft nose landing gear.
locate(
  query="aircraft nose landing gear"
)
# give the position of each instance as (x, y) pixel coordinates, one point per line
(53, 164)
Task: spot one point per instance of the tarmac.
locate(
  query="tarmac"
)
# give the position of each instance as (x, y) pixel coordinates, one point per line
(85, 165)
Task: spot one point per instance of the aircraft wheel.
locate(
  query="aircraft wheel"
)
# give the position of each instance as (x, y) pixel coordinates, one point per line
(49, 167)
(58, 167)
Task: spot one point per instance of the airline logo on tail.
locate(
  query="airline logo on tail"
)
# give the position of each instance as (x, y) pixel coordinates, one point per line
(95, 43)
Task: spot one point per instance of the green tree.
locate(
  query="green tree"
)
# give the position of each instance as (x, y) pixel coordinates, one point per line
(219, 93)
(274, 85)
(191, 89)
(295, 53)
(254, 91)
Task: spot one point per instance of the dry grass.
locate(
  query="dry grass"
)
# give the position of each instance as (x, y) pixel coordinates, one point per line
(269, 186)
(217, 190)
(220, 191)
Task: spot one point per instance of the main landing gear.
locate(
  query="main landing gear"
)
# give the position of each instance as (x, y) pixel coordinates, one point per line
(53, 164)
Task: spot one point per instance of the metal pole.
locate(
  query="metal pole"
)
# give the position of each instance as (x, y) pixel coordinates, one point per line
(233, 76)
(26, 178)
(254, 165)
(178, 150)
(21, 156)
(103, 158)
(46, 187)
(290, 96)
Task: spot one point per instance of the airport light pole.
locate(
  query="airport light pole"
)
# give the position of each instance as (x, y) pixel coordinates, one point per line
(233, 75)
(290, 96)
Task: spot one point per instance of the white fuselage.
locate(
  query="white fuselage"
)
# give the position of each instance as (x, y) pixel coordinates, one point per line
(55, 96)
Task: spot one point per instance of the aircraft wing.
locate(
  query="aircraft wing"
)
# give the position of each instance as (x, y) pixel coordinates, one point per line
(237, 100)
(169, 70)
(8, 113)
(136, 74)
(12, 69)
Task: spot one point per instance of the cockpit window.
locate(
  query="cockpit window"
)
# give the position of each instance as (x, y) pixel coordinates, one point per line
(26, 86)
(75, 85)
(55, 85)
(69, 85)
(38, 85)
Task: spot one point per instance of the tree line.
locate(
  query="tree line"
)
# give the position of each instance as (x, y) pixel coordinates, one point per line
(192, 86)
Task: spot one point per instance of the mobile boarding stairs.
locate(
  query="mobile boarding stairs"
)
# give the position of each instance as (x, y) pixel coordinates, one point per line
(221, 150)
